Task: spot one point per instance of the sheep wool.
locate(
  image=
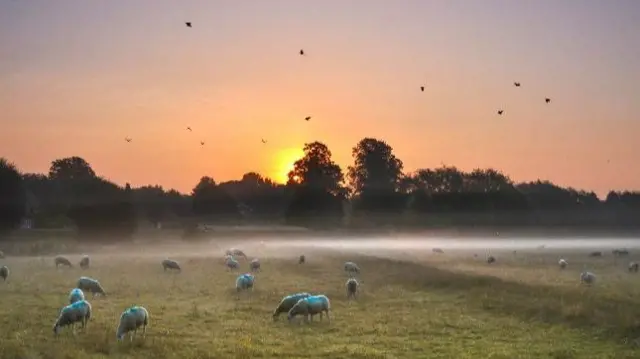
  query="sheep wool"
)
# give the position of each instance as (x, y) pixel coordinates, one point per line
(4, 272)
(254, 265)
(288, 302)
(633, 267)
(562, 263)
(587, 277)
(310, 306)
(62, 261)
(131, 320)
(351, 267)
(352, 288)
(231, 263)
(235, 252)
(90, 285)
(78, 312)
(170, 264)
(76, 295)
(84, 262)
(245, 281)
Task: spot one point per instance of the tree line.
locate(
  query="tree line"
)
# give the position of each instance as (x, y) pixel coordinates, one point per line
(373, 191)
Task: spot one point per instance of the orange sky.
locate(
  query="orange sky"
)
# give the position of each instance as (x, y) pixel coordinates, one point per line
(78, 77)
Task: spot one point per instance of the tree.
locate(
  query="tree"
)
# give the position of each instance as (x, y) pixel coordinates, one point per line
(257, 196)
(152, 203)
(209, 199)
(13, 196)
(71, 168)
(317, 170)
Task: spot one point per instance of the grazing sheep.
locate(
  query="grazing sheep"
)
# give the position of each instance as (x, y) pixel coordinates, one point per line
(236, 252)
(76, 295)
(302, 259)
(132, 319)
(4, 272)
(595, 254)
(288, 302)
(90, 285)
(84, 262)
(1, 254)
(310, 306)
(170, 264)
(633, 267)
(437, 250)
(78, 312)
(244, 282)
(352, 288)
(254, 266)
(62, 261)
(491, 259)
(232, 264)
(620, 252)
(587, 277)
(351, 268)
(562, 263)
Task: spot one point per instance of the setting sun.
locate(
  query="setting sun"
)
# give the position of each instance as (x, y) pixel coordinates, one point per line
(285, 159)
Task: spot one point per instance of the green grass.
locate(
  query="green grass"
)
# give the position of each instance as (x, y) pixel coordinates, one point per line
(427, 306)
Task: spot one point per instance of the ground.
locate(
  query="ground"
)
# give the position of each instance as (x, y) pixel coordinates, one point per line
(412, 304)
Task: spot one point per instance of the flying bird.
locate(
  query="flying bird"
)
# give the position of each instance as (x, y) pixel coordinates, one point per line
(547, 100)
(201, 143)
(127, 139)
(307, 118)
(301, 52)
(500, 112)
(189, 128)
(422, 88)
(516, 84)
(188, 24)
(264, 141)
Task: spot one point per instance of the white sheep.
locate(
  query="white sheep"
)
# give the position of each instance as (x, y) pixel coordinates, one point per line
(254, 266)
(236, 252)
(351, 268)
(4, 273)
(587, 277)
(352, 288)
(90, 285)
(310, 306)
(562, 263)
(76, 295)
(231, 263)
(633, 267)
(84, 262)
(170, 264)
(62, 261)
(131, 320)
(287, 303)
(244, 282)
(78, 312)
(491, 259)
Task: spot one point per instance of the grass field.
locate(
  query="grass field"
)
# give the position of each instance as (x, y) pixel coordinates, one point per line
(418, 305)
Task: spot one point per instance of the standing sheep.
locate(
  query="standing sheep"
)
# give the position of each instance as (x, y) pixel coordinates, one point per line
(4, 272)
(287, 303)
(90, 285)
(132, 319)
(352, 288)
(62, 261)
(78, 312)
(244, 282)
(587, 277)
(84, 262)
(170, 264)
(351, 268)
(232, 264)
(633, 267)
(254, 266)
(302, 259)
(491, 259)
(76, 295)
(236, 253)
(562, 263)
(310, 306)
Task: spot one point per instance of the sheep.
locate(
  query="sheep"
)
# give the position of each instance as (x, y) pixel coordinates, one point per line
(79, 311)
(76, 295)
(633, 267)
(620, 252)
(1, 254)
(232, 264)
(62, 261)
(236, 252)
(562, 263)
(595, 254)
(254, 266)
(4, 272)
(437, 250)
(244, 282)
(287, 303)
(310, 306)
(132, 319)
(84, 262)
(351, 268)
(301, 259)
(491, 259)
(90, 285)
(587, 277)
(170, 264)
(352, 288)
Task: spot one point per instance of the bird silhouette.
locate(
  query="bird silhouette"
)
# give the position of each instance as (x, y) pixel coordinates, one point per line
(264, 141)
(188, 24)
(189, 128)
(201, 143)
(547, 100)
(307, 118)
(422, 88)
(516, 84)
(301, 52)
(127, 139)
(500, 112)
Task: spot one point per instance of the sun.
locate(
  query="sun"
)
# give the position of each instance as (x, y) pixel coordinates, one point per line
(285, 159)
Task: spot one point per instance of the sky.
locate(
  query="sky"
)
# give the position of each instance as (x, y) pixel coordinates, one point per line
(77, 77)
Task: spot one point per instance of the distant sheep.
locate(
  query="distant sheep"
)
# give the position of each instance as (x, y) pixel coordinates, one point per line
(232, 264)
(236, 252)
(587, 277)
(90, 285)
(76, 295)
(302, 259)
(310, 306)
(562, 263)
(4, 272)
(170, 264)
(437, 250)
(84, 262)
(595, 254)
(254, 266)
(620, 252)
(1, 254)
(633, 267)
(78, 312)
(62, 261)
(491, 259)
(352, 288)
(244, 282)
(131, 320)
(351, 268)
(287, 303)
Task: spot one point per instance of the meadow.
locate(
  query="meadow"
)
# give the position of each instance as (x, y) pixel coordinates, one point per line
(412, 304)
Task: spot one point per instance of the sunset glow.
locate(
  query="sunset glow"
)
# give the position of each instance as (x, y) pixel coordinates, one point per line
(284, 163)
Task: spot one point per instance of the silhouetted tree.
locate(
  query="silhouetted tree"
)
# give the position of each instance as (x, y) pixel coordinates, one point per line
(211, 200)
(257, 196)
(317, 170)
(13, 201)
(152, 203)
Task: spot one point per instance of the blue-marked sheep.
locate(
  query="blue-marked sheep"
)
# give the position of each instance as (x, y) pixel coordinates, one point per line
(351, 268)
(254, 266)
(633, 267)
(352, 288)
(78, 312)
(76, 295)
(62, 261)
(491, 259)
(170, 264)
(287, 303)
(562, 263)
(232, 264)
(90, 285)
(236, 252)
(587, 277)
(302, 259)
(131, 320)
(4, 272)
(84, 262)
(244, 282)
(310, 306)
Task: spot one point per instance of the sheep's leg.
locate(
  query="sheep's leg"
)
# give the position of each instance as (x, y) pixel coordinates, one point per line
(328, 317)
(144, 330)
